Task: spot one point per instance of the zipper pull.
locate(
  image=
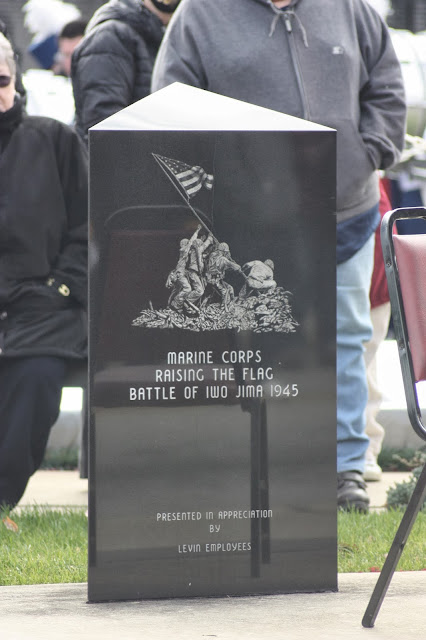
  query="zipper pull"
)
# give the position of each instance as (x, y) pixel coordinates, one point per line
(287, 21)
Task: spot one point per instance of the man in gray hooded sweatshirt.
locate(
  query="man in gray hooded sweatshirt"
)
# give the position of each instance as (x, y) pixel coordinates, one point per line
(331, 62)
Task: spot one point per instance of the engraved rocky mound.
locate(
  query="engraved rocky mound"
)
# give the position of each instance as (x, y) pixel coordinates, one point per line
(265, 312)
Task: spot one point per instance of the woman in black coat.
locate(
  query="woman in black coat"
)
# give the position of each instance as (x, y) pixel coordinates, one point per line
(43, 276)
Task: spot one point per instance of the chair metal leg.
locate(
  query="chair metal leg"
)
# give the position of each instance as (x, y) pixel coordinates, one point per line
(398, 544)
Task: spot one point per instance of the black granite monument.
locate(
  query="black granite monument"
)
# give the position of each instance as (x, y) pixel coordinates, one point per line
(212, 340)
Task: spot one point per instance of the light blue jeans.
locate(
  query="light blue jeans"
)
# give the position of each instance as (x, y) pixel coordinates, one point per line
(353, 330)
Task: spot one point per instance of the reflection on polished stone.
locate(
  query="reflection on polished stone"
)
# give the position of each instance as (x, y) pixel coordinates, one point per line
(213, 415)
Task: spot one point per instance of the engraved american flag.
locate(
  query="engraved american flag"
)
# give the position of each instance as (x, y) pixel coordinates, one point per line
(191, 179)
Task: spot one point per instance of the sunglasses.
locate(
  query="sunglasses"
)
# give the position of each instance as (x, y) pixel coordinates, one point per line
(5, 81)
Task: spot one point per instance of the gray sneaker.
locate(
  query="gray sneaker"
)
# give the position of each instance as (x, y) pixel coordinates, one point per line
(351, 492)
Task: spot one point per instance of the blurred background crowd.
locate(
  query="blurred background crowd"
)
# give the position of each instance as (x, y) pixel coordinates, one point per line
(45, 32)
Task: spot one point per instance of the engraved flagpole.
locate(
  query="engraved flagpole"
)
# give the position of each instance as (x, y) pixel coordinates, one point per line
(187, 183)
(182, 191)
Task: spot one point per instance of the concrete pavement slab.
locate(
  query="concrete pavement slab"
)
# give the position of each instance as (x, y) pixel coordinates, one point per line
(377, 491)
(53, 612)
(56, 489)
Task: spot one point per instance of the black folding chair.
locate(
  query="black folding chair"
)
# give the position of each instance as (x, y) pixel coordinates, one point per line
(405, 263)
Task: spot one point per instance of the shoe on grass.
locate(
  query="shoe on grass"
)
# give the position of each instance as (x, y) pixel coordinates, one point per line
(351, 492)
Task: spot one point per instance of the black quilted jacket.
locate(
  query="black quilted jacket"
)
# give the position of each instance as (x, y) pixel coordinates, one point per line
(112, 66)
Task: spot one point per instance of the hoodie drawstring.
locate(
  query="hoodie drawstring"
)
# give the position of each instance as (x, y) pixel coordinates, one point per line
(283, 14)
(274, 24)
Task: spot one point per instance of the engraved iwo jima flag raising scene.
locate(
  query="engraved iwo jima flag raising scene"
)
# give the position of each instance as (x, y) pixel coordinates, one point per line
(202, 297)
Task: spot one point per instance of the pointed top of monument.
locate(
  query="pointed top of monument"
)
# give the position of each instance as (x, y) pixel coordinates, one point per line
(180, 107)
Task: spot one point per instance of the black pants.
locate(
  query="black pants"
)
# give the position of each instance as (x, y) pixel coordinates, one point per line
(30, 397)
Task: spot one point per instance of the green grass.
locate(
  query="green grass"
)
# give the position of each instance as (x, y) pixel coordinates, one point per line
(364, 541)
(51, 545)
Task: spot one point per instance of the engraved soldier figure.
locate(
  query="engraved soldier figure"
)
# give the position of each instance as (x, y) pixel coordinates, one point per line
(218, 263)
(259, 277)
(186, 279)
(177, 279)
(196, 267)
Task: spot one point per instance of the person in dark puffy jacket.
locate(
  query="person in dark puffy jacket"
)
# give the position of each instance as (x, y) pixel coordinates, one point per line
(43, 277)
(112, 66)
